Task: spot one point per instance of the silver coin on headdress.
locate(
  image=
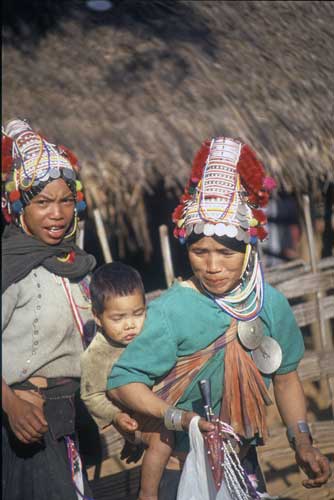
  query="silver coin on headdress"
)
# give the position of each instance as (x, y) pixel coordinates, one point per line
(199, 228)
(54, 173)
(231, 231)
(220, 229)
(240, 234)
(189, 230)
(250, 333)
(68, 173)
(209, 229)
(268, 356)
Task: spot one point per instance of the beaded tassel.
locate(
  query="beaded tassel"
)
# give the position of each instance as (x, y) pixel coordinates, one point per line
(234, 474)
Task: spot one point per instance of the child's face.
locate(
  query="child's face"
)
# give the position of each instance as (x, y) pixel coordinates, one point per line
(123, 317)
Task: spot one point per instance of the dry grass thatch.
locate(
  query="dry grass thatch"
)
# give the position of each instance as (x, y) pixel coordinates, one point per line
(135, 90)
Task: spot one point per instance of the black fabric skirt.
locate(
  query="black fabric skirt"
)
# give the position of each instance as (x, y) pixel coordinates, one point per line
(41, 471)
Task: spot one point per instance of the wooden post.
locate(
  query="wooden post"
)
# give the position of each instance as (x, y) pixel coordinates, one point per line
(325, 342)
(325, 337)
(102, 235)
(166, 255)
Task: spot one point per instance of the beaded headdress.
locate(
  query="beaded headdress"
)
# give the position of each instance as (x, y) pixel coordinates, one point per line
(224, 197)
(225, 193)
(29, 162)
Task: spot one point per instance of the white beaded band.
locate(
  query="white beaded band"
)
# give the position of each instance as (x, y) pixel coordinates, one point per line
(173, 419)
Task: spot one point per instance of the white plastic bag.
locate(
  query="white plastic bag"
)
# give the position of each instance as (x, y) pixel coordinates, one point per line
(196, 481)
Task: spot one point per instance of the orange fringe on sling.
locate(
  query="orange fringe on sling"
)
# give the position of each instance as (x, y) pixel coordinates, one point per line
(245, 394)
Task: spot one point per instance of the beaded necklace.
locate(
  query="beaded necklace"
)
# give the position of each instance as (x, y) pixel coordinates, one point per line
(245, 302)
(75, 311)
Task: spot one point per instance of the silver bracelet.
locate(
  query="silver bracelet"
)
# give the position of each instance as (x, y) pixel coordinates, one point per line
(173, 419)
(303, 428)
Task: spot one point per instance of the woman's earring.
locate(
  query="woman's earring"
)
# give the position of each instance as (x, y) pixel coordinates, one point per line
(75, 226)
(245, 265)
(22, 224)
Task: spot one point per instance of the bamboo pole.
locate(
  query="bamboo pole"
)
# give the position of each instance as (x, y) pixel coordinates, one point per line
(166, 255)
(325, 337)
(102, 235)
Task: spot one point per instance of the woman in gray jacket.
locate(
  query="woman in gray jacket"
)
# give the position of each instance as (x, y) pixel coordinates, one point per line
(45, 309)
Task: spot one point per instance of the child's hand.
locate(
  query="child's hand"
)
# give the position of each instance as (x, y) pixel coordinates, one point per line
(124, 423)
(132, 453)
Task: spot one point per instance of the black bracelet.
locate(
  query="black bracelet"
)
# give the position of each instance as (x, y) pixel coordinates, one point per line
(303, 428)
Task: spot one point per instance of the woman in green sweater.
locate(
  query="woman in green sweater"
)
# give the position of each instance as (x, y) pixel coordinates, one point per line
(224, 323)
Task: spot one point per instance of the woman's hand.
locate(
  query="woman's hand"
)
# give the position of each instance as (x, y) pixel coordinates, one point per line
(288, 388)
(314, 464)
(26, 419)
(203, 425)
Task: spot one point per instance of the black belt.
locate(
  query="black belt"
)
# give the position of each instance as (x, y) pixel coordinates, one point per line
(59, 406)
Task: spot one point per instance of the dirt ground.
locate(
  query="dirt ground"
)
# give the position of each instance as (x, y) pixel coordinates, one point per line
(282, 475)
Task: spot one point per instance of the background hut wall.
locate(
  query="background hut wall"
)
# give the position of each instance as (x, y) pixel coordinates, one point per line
(135, 90)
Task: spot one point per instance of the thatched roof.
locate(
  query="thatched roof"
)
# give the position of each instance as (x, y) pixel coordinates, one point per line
(135, 90)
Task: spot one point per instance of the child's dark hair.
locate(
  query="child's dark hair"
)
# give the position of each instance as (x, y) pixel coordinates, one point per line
(113, 279)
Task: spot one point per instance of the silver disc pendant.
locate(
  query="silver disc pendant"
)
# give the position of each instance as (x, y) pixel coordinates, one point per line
(268, 356)
(250, 333)
(54, 173)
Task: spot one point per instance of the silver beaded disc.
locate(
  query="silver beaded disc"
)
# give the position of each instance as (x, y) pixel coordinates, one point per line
(220, 229)
(199, 228)
(250, 333)
(231, 231)
(268, 356)
(209, 229)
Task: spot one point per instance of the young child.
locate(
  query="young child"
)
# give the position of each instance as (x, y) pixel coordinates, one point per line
(119, 309)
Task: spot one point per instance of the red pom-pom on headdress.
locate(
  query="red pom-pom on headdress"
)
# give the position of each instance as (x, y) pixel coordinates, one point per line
(261, 233)
(257, 186)
(177, 214)
(6, 156)
(72, 158)
(252, 174)
(259, 215)
(253, 179)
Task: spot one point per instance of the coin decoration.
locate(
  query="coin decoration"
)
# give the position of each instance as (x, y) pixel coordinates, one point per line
(250, 333)
(268, 356)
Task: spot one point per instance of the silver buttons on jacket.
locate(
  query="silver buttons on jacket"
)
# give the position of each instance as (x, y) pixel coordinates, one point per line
(38, 307)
